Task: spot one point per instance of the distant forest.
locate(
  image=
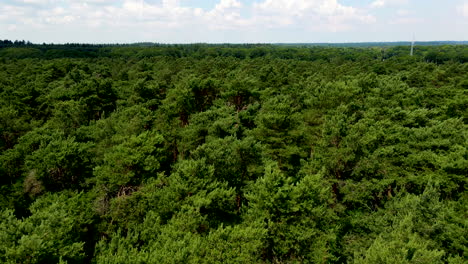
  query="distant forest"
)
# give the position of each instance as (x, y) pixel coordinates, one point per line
(436, 51)
(246, 153)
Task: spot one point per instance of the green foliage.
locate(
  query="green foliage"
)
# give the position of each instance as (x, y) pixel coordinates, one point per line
(61, 164)
(55, 231)
(296, 214)
(128, 163)
(415, 229)
(233, 154)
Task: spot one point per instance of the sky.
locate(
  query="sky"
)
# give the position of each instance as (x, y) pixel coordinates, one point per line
(232, 21)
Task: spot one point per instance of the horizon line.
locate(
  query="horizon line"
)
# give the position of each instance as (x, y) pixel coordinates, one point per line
(239, 43)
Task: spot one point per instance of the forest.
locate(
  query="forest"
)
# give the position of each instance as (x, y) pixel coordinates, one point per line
(233, 154)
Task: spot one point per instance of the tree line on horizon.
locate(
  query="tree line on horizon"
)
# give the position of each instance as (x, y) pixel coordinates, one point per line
(436, 51)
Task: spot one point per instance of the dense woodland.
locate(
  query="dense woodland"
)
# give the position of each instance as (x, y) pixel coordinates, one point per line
(233, 154)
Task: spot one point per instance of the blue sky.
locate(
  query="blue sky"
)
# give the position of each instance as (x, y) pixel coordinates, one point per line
(233, 21)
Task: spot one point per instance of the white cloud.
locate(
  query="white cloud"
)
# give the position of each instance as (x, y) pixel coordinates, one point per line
(464, 9)
(227, 4)
(317, 15)
(150, 19)
(324, 14)
(403, 12)
(35, 2)
(406, 21)
(99, 1)
(382, 3)
(301, 7)
(227, 14)
(378, 3)
(12, 27)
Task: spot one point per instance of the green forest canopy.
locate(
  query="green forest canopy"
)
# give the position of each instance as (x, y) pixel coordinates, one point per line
(233, 154)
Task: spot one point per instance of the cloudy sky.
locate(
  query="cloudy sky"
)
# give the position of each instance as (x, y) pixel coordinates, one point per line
(234, 21)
